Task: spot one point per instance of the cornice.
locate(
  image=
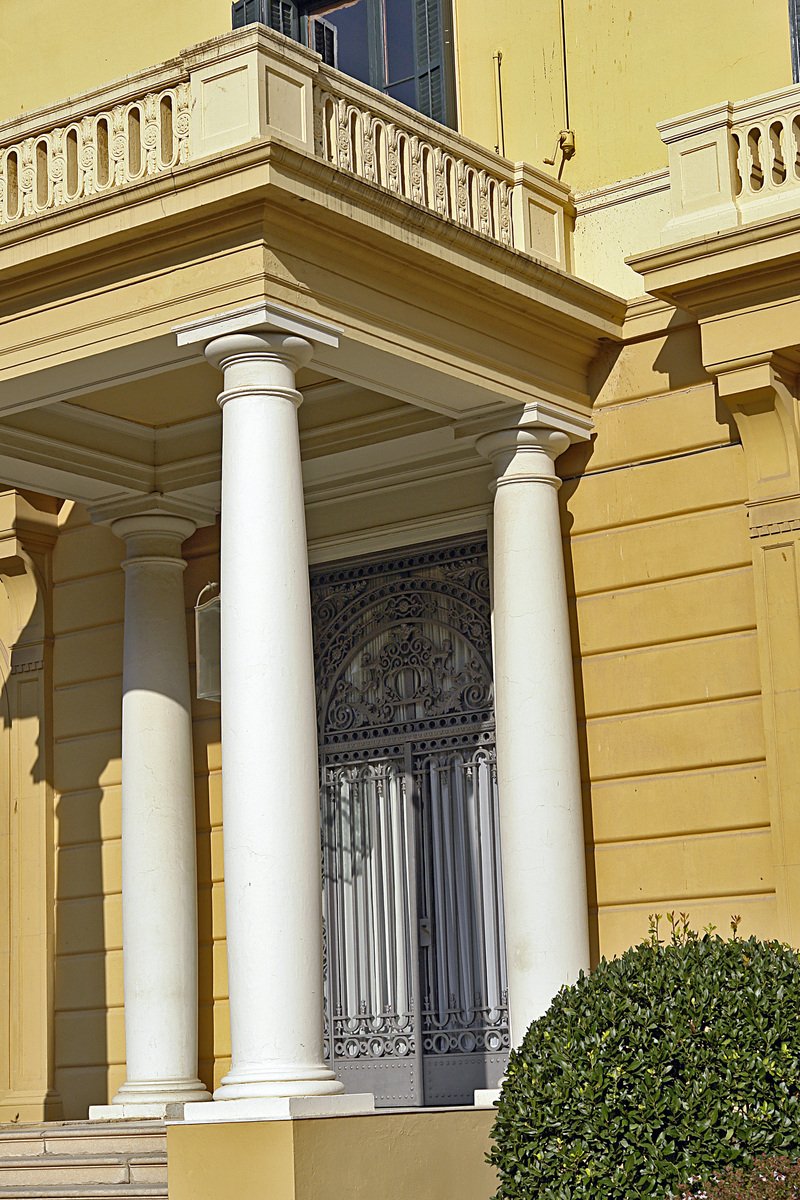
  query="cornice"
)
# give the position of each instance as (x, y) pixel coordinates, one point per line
(621, 192)
(712, 270)
(234, 181)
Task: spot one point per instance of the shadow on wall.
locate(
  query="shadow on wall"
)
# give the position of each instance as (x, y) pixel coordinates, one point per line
(62, 600)
(632, 392)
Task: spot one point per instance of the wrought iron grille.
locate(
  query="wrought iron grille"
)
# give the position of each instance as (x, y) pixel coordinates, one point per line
(416, 1006)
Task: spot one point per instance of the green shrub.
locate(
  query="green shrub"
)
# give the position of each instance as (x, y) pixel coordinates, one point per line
(667, 1063)
(771, 1177)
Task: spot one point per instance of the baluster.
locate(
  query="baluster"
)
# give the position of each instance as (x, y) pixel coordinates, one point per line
(182, 121)
(417, 187)
(484, 207)
(119, 147)
(393, 157)
(344, 159)
(368, 147)
(58, 166)
(27, 178)
(151, 134)
(439, 183)
(505, 235)
(87, 159)
(462, 192)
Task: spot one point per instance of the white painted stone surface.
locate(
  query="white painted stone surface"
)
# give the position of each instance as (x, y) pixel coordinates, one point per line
(159, 884)
(269, 735)
(541, 817)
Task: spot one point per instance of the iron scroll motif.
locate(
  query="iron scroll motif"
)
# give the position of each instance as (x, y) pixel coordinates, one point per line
(405, 643)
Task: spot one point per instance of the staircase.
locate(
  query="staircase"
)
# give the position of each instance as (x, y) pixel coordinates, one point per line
(84, 1160)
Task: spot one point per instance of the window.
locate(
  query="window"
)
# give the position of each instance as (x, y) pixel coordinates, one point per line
(401, 47)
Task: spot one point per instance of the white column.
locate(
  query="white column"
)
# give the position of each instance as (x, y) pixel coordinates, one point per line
(159, 884)
(541, 819)
(271, 811)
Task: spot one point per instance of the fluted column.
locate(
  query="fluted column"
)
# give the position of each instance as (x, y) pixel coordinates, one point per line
(271, 812)
(541, 821)
(159, 884)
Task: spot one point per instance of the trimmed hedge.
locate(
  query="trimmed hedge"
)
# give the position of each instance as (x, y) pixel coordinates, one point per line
(665, 1064)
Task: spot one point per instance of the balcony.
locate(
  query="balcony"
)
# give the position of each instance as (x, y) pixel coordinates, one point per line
(733, 164)
(255, 85)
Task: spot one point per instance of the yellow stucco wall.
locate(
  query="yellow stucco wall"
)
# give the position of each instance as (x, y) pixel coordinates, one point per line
(69, 48)
(87, 679)
(391, 1155)
(668, 687)
(630, 64)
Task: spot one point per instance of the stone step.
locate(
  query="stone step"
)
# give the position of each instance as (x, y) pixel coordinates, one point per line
(93, 1191)
(82, 1168)
(72, 1160)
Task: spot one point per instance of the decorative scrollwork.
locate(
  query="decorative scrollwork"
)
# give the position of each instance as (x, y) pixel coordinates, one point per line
(410, 643)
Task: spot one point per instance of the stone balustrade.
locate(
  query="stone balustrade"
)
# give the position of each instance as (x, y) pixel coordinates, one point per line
(253, 85)
(90, 153)
(413, 157)
(733, 164)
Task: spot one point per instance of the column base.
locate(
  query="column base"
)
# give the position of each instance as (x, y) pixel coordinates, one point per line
(164, 1098)
(280, 1108)
(486, 1097)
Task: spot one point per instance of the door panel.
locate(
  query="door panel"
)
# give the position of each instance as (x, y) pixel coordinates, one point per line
(416, 1007)
(369, 908)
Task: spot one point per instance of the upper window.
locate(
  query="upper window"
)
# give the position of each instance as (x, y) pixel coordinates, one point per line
(400, 47)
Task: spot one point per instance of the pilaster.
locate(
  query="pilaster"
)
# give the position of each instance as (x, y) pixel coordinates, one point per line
(761, 393)
(28, 530)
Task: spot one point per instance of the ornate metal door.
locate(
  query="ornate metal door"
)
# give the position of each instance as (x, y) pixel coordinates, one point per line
(415, 955)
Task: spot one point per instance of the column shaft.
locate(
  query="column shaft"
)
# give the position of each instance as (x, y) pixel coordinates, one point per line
(541, 820)
(269, 735)
(159, 886)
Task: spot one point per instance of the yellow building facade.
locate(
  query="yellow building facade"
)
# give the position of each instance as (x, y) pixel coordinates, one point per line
(466, 325)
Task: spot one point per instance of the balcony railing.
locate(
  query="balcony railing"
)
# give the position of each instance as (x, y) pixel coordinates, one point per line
(733, 164)
(252, 85)
(96, 153)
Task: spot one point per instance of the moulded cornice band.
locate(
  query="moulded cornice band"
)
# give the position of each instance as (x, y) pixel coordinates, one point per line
(258, 389)
(158, 560)
(504, 480)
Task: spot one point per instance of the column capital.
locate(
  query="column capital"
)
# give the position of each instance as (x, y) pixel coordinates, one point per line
(153, 537)
(154, 507)
(524, 443)
(524, 455)
(262, 318)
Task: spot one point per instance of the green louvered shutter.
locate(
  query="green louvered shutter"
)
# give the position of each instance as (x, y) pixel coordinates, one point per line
(325, 41)
(278, 14)
(430, 58)
(283, 16)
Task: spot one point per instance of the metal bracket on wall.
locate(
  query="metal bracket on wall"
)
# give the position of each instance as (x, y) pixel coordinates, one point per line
(566, 144)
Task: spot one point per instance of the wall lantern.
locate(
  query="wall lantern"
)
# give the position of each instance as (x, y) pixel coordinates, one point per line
(206, 634)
